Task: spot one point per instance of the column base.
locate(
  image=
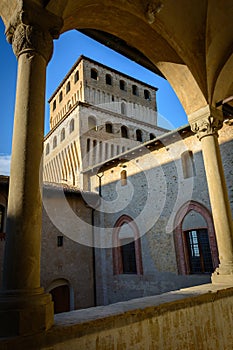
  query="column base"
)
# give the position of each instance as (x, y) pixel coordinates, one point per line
(222, 276)
(25, 312)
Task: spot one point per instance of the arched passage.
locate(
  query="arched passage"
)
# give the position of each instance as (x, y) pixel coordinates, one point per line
(180, 235)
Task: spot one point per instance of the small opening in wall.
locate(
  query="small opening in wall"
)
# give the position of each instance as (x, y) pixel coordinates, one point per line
(59, 241)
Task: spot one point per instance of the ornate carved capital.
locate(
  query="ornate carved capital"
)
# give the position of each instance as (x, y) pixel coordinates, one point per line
(31, 29)
(32, 39)
(206, 121)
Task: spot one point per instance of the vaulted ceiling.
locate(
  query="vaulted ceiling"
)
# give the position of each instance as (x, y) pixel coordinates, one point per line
(188, 42)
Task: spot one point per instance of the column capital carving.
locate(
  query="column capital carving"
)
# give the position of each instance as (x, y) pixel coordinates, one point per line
(32, 30)
(206, 121)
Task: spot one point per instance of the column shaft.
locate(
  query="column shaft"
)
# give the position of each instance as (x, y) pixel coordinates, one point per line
(22, 252)
(219, 201)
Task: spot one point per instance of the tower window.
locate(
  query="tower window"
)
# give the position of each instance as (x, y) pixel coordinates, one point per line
(124, 132)
(139, 135)
(94, 74)
(123, 108)
(68, 87)
(147, 95)
(63, 134)
(47, 149)
(55, 142)
(92, 123)
(71, 125)
(135, 90)
(60, 96)
(152, 136)
(108, 79)
(122, 85)
(108, 128)
(76, 76)
(54, 104)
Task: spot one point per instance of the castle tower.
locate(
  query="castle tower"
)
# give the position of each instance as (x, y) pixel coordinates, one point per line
(96, 113)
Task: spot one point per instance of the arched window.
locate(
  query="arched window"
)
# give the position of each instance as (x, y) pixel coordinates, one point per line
(54, 104)
(55, 142)
(2, 217)
(112, 151)
(91, 123)
(123, 85)
(124, 132)
(94, 74)
(76, 76)
(123, 177)
(147, 95)
(60, 96)
(152, 136)
(195, 241)
(123, 108)
(47, 149)
(88, 145)
(63, 134)
(68, 87)
(126, 247)
(139, 135)
(108, 79)
(108, 128)
(188, 164)
(135, 90)
(71, 126)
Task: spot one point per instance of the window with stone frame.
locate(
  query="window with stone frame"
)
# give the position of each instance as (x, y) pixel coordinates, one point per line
(123, 85)
(94, 74)
(68, 87)
(76, 76)
(71, 126)
(135, 90)
(108, 79)
(47, 149)
(124, 132)
(60, 96)
(147, 95)
(55, 142)
(63, 134)
(108, 128)
(139, 135)
(126, 251)
(188, 164)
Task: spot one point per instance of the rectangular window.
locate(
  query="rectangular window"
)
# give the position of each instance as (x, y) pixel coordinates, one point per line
(129, 258)
(198, 246)
(59, 241)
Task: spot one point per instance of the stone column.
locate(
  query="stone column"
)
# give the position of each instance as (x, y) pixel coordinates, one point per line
(24, 307)
(206, 123)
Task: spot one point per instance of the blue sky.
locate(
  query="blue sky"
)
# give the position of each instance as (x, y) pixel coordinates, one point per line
(67, 49)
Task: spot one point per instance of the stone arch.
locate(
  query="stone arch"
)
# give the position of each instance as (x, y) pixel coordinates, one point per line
(116, 251)
(179, 239)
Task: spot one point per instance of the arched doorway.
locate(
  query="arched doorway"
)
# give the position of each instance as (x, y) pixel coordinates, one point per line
(62, 295)
(195, 241)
